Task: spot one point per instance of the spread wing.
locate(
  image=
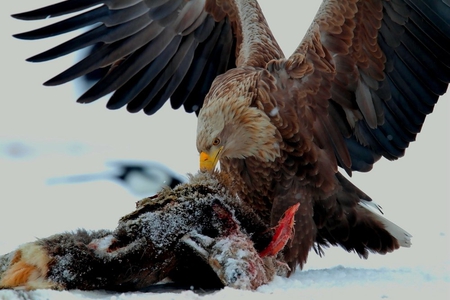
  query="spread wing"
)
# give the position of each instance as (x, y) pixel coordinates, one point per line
(151, 50)
(371, 71)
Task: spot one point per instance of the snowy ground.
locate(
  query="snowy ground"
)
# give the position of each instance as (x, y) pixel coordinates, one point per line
(45, 134)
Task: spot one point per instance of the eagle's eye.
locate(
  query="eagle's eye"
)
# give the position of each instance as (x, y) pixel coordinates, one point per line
(216, 141)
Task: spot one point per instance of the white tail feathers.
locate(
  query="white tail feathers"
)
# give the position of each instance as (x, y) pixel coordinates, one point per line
(402, 236)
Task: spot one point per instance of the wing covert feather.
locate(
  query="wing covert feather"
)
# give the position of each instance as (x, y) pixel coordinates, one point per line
(384, 65)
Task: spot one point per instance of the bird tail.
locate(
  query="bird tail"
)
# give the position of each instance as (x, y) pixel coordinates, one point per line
(78, 178)
(401, 235)
(357, 224)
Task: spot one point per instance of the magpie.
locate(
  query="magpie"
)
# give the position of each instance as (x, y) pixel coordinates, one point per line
(141, 178)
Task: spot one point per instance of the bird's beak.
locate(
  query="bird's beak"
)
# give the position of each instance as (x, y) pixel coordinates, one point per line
(208, 161)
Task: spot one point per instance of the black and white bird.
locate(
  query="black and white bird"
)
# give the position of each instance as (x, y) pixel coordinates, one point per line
(141, 178)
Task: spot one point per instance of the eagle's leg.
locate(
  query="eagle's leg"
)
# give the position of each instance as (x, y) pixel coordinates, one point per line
(303, 234)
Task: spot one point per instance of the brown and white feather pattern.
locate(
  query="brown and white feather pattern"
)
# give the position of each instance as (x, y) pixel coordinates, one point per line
(258, 46)
(247, 130)
(357, 88)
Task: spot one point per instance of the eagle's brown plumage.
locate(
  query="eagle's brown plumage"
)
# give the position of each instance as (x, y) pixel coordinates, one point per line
(358, 87)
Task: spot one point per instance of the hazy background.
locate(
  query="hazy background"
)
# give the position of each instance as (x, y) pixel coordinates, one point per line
(44, 133)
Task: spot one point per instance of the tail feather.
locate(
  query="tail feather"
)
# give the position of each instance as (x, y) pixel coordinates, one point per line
(401, 235)
(356, 223)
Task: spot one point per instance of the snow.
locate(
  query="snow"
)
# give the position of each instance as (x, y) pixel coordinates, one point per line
(45, 134)
(103, 244)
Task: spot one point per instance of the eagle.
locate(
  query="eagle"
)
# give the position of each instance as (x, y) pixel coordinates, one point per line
(357, 88)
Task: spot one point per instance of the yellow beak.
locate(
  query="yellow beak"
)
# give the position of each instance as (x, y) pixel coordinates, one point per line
(209, 161)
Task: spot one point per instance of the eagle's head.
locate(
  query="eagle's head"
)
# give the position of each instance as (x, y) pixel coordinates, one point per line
(229, 126)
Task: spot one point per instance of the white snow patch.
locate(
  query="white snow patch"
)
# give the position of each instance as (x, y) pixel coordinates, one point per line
(103, 243)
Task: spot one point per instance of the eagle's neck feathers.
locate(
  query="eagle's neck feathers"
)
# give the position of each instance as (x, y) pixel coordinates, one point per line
(229, 113)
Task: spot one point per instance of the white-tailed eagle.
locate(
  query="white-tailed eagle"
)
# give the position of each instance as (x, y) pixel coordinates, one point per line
(358, 87)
